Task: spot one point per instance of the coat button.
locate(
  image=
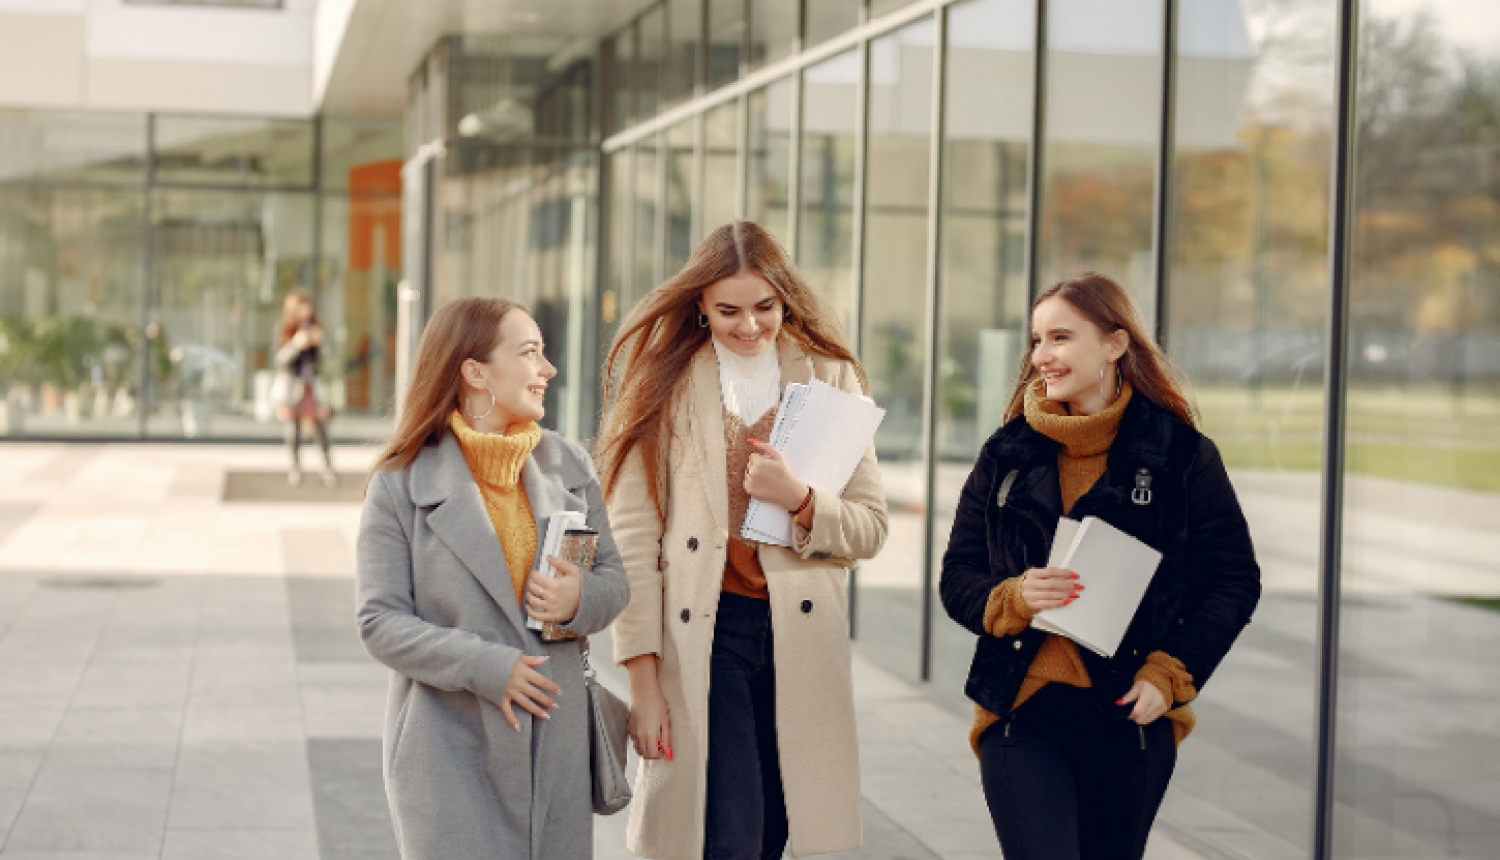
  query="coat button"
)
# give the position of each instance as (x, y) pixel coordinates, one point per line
(806, 606)
(1017, 645)
(693, 545)
(686, 615)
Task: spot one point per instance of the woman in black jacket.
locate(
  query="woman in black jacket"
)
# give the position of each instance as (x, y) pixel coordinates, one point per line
(1074, 752)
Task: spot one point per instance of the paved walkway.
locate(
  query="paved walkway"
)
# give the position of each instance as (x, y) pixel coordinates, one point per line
(180, 678)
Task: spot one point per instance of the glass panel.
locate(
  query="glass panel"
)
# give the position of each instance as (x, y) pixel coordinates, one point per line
(221, 264)
(685, 18)
(70, 303)
(726, 37)
(882, 7)
(773, 31)
(770, 158)
(682, 181)
(828, 18)
(647, 200)
(649, 65)
(1417, 736)
(620, 91)
(1249, 281)
(1098, 203)
(619, 247)
(721, 139)
(229, 151)
(982, 262)
(350, 145)
(357, 300)
(826, 249)
(102, 147)
(894, 335)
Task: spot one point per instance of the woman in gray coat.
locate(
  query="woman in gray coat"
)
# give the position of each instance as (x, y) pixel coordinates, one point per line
(486, 749)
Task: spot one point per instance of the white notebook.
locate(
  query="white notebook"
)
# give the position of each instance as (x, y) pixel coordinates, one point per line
(1114, 569)
(823, 432)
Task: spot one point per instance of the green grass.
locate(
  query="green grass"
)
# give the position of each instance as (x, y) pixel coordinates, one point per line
(1490, 603)
(1467, 468)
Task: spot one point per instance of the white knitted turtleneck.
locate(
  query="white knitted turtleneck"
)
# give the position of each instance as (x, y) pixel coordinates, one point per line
(748, 386)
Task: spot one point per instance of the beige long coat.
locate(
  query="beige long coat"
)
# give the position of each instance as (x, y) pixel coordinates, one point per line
(675, 572)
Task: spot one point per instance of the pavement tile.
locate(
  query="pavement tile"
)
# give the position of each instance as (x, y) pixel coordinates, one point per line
(113, 683)
(241, 845)
(101, 811)
(210, 724)
(130, 738)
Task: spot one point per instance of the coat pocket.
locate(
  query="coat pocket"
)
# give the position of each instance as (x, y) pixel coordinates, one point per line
(398, 725)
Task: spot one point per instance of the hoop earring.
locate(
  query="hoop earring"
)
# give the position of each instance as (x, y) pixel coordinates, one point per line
(487, 411)
(702, 320)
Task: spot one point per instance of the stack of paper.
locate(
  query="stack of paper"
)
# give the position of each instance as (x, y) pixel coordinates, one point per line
(1114, 569)
(823, 432)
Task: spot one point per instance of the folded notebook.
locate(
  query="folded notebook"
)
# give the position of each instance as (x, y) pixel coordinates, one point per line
(1114, 569)
(823, 432)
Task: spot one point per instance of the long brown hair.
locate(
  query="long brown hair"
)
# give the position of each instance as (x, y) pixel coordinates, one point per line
(1144, 365)
(647, 366)
(460, 330)
(290, 324)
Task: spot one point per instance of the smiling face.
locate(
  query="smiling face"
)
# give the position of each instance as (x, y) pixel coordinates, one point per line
(516, 372)
(1069, 351)
(744, 313)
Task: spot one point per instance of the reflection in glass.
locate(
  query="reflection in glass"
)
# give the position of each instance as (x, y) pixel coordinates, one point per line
(70, 298)
(773, 31)
(1103, 122)
(221, 264)
(649, 65)
(72, 146)
(825, 19)
(726, 36)
(621, 90)
(230, 151)
(647, 200)
(982, 260)
(1415, 766)
(826, 249)
(769, 158)
(721, 137)
(685, 20)
(350, 144)
(1248, 291)
(681, 190)
(882, 7)
(619, 247)
(893, 335)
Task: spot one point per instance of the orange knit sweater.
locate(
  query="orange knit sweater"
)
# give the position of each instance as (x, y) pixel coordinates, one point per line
(1080, 463)
(496, 462)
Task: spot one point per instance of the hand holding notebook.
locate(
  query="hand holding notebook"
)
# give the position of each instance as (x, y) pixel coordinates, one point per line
(1116, 569)
(823, 432)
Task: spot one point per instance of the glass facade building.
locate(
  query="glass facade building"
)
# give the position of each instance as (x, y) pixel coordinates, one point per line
(144, 257)
(1303, 195)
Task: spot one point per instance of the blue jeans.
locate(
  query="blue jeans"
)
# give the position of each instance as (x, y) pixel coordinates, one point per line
(1066, 778)
(745, 816)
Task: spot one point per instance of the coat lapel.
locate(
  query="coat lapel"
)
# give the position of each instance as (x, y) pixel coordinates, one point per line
(707, 431)
(441, 476)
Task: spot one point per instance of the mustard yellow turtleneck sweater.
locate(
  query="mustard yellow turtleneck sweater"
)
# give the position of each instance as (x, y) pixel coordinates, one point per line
(496, 462)
(1080, 463)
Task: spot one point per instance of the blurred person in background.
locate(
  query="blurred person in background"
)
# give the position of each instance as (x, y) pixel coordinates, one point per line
(296, 389)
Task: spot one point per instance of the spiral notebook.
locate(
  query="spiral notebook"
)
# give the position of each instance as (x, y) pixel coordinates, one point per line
(1115, 570)
(823, 432)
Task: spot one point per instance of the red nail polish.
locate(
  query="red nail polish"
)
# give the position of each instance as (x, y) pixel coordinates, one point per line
(1119, 701)
(669, 754)
(756, 441)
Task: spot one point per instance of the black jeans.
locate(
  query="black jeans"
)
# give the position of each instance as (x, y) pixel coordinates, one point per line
(745, 817)
(1066, 777)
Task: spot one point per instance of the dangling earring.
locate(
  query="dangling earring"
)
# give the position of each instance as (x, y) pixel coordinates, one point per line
(487, 411)
(1119, 381)
(786, 313)
(1101, 380)
(702, 320)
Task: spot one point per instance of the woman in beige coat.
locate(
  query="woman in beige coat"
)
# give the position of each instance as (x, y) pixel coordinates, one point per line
(738, 652)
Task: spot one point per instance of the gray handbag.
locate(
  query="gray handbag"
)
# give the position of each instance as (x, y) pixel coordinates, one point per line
(609, 721)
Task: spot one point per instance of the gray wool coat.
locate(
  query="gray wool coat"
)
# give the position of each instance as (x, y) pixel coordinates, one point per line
(436, 605)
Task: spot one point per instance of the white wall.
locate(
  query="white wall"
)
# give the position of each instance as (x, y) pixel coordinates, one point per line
(107, 54)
